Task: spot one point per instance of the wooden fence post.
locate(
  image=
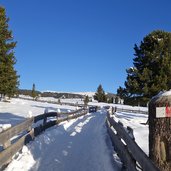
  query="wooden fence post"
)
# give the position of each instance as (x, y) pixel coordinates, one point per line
(115, 109)
(45, 118)
(159, 130)
(6, 144)
(131, 132)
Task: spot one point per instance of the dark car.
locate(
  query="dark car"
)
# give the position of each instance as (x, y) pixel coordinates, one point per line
(92, 109)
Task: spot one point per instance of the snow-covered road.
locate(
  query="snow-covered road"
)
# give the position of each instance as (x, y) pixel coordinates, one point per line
(81, 144)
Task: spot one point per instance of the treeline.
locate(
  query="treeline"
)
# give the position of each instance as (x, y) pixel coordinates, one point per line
(27, 92)
(62, 95)
(49, 94)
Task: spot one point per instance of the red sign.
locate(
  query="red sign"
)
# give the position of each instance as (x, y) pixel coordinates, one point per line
(168, 111)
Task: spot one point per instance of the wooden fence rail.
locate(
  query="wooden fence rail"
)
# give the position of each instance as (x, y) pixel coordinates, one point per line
(117, 109)
(6, 135)
(25, 132)
(54, 102)
(129, 152)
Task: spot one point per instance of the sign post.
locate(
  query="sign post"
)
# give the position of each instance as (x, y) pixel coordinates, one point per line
(160, 130)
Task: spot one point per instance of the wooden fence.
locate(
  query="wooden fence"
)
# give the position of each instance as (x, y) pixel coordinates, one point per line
(13, 139)
(54, 102)
(129, 152)
(117, 109)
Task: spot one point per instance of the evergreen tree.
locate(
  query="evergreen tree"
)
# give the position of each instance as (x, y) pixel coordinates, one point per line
(152, 69)
(121, 92)
(33, 92)
(8, 75)
(100, 94)
(110, 100)
(59, 101)
(86, 100)
(116, 100)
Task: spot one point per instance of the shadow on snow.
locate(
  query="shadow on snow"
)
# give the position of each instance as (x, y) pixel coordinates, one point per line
(83, 146)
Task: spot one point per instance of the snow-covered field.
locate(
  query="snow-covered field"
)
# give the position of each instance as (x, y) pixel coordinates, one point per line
(17, 110)
(80, 144)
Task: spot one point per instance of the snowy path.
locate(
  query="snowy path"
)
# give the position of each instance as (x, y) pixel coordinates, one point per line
(81, 144)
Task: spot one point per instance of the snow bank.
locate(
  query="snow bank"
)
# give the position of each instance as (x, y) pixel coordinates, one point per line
(18, 110)
(27, 161)
(162, 94)
(165, 93)
(137, 123)
(4, 127)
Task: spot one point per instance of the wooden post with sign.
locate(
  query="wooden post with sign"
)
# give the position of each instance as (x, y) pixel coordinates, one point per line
(160, 130)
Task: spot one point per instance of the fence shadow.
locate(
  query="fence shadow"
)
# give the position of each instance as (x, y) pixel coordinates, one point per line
(9, 118)
(68, 143)
(51, 108)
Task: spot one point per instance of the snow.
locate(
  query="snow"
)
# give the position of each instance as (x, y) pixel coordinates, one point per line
(27, 159)
(137, 123)
(4, 127)
(18, 110)
(89, 94)
(166, 93)
(162, 94)
(79, 144)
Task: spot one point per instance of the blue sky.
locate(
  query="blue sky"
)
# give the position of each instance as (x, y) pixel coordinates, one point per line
(75, 45)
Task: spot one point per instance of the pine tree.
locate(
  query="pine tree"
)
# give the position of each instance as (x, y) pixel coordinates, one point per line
(59, 101)
(152, 69)
(100, 94)
(33, 92)
(86, 100)
(8, 75)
